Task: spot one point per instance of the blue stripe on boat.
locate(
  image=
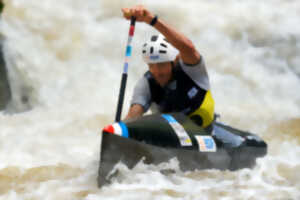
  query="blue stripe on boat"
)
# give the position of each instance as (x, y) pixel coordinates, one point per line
(169, 118)
(124, 130)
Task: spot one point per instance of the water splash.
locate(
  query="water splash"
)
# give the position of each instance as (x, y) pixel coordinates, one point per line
(65, 59)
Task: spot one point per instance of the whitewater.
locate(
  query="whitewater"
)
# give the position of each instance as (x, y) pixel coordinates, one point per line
(64, 61)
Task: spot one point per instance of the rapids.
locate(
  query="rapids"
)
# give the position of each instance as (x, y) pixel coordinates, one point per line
(64, 62)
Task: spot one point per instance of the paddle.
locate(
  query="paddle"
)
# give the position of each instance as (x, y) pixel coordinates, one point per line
(125, 70)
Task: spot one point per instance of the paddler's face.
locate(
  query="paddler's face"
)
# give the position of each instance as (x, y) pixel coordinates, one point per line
(162, 72)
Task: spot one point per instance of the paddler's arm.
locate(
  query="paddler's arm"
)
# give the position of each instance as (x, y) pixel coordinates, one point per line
(141, 99)
(188, 52)
(136, 110)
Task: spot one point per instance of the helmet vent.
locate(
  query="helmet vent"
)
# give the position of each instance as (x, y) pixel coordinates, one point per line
(144, 51)
(162, 51)
(154, 38)
(151, 50)
(163, 45)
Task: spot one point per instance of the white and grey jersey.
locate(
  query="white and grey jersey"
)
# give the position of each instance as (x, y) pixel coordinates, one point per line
(142, 94)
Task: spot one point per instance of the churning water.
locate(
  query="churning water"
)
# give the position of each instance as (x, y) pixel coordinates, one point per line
(65, 59)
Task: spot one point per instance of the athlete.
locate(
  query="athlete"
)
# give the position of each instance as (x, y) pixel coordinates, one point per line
(177, 80)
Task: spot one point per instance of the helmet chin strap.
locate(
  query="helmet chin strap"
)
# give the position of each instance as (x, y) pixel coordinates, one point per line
(172, 64)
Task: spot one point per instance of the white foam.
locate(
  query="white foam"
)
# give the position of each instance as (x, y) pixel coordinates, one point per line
(67, 57)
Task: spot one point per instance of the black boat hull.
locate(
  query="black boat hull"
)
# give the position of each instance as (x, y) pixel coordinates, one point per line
(234, 149)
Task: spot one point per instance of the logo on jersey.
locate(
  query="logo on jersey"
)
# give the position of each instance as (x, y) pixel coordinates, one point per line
(192, 92)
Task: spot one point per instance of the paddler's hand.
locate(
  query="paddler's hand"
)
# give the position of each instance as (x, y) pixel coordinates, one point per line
(140, 12)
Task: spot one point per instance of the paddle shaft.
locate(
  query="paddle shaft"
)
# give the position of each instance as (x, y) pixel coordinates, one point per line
(125, 70)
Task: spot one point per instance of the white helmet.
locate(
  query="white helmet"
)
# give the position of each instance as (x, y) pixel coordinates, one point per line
(158, 50)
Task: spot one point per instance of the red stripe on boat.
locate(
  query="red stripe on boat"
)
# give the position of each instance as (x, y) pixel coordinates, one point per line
(109, 129)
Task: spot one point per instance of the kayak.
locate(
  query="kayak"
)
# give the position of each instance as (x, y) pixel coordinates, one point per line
(158, 138)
